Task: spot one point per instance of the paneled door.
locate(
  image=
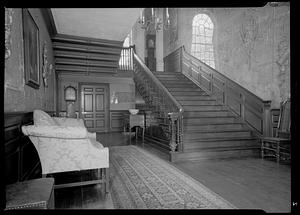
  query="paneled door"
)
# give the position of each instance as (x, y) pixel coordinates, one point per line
(94, 108)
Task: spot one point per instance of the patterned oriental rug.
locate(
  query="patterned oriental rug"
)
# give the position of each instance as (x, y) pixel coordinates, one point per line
(140, 180)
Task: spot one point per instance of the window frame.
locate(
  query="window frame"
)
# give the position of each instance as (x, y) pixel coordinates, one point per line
(202, 46)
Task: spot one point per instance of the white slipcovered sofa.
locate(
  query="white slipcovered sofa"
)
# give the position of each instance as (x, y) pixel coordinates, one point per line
(64, 144)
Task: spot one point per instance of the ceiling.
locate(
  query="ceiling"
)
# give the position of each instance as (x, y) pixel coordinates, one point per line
(102, 23)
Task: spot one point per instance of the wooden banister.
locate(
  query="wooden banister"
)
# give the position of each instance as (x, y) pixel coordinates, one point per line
(249, 107)
(157, 82)
(154, 93)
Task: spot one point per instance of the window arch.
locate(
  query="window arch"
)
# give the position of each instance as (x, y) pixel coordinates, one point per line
(202, 40)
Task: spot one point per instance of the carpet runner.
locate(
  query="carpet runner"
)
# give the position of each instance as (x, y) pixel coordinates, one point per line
(140, 180)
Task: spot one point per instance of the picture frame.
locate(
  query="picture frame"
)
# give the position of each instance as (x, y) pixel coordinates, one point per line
(31, 50)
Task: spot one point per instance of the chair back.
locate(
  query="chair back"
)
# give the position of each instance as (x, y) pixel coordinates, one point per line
(284, 123)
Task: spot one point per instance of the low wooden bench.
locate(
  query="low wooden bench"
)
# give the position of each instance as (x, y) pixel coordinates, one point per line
(31, 194)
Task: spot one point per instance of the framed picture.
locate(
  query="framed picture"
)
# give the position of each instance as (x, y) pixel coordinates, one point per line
(31, 50)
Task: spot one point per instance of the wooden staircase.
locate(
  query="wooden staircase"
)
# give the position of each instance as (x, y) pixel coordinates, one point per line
(210, 129)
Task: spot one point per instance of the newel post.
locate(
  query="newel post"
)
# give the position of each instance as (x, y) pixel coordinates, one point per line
(266, 119)
(173, 128)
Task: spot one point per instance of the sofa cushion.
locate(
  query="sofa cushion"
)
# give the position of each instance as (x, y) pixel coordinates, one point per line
(42, 118)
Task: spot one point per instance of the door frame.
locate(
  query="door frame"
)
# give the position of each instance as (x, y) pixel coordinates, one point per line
(106, 85)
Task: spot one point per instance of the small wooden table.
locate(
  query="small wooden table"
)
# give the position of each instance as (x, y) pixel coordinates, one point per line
(31, 194)
(136, 120)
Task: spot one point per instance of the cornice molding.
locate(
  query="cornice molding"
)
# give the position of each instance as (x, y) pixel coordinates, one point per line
(49, 21)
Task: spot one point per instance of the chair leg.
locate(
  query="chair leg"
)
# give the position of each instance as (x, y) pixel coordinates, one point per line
(98, 173)
(277, 153)
(262, 149)
(106, 180)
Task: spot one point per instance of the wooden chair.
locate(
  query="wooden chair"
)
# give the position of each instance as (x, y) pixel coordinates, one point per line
(280, 145)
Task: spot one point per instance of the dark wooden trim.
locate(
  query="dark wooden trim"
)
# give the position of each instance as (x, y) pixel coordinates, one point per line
(21, 158)
(81, 183)
(49, 21)
(117, 118)
(85, 70)
(87, 40)
(82, 54)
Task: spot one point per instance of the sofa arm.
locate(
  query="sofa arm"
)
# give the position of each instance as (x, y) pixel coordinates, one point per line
(55, 131)
(91, 135)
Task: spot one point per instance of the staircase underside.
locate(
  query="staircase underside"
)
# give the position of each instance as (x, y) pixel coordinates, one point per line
(210, 129)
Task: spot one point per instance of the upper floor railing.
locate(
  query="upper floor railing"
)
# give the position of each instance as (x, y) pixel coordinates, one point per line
(126, 58)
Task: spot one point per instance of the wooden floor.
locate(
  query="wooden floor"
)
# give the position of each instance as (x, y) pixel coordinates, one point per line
(247, 183)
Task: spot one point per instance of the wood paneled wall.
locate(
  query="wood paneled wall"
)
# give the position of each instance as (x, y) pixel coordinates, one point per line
(21, 158)
(117, 119)
(172, 62)
(83, 55)
(274, 121)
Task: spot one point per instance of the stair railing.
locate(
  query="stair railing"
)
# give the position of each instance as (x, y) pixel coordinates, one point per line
(155, 94)
(249, 107)
(126, 58)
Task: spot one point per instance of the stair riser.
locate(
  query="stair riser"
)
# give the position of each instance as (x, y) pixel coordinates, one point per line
(215, 154)
(197, 136)
(167, 74)
(217, 144)
(207, 114)
(211, 127)
(186, 93)
(212, 120)
(192, 98)
(203, 108)
(182, 89)
(205, 102)
(179, 83)
(169, 79)
(176, 83)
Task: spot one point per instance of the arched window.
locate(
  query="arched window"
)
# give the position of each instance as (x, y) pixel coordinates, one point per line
(202, 41)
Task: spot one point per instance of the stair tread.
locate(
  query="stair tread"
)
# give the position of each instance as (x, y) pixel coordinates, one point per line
(220, 148)
(189, 99)
(201, 117)
(214, 139)
(215, 123)
(217, 131)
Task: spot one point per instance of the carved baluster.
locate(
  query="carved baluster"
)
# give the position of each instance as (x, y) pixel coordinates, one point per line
(179, 133)
(173, 141)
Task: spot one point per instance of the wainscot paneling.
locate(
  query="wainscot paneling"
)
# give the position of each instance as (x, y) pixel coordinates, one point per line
(172, 62)
(117, 119)
(21, 158)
